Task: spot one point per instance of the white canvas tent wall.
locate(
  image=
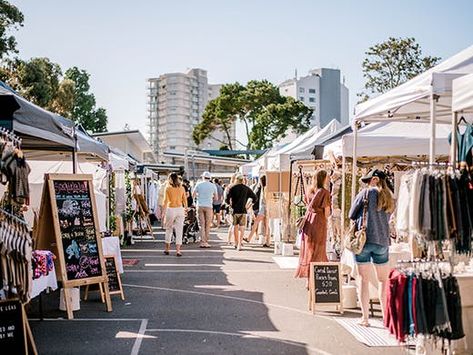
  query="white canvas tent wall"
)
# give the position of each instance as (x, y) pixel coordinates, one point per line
(425, 98)
(36, 182)
(462, 103)
(384, 139)
(303, 145)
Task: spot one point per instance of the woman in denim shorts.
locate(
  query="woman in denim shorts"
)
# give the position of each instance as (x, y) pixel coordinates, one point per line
(376, 249)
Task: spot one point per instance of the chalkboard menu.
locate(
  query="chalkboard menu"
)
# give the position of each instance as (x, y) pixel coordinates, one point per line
(78, 234)
(327, 283)
(112, 274)
(12, 328)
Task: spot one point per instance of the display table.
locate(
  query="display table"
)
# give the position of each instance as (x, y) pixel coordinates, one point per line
(111, 246)
(44, 282)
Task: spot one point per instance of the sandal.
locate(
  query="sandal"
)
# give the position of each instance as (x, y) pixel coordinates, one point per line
(178, 253)
(166, 252)
(364, 322)
(246, 240)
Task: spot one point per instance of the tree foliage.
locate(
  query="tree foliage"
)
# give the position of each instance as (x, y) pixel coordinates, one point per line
(393, 62)
(84, 109)
(10, 18)
(265, 114)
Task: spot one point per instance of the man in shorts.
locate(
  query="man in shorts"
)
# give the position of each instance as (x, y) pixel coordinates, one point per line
(237, 198)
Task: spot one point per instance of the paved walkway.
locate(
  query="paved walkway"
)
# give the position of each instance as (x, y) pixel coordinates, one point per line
(210, 301)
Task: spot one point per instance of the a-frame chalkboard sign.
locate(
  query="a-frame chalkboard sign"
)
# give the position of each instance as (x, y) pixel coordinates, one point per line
(68, 226)
(325, 285)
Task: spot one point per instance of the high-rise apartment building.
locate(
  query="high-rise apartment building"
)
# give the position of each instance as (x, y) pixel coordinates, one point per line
(176, 102)
(323, 91)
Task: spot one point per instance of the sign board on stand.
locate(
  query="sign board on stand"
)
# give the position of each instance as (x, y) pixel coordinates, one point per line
(325, 285)
(15, 332)
(114, 279)
(68, 226)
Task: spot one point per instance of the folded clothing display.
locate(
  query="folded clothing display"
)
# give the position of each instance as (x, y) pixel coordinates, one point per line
(43, 263)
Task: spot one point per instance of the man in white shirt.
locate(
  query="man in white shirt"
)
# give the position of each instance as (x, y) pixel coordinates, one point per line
(204, 194)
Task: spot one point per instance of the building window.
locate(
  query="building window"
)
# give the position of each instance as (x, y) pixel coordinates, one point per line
(172, 147)
(311, 99)
(311, 91)
(301, 90)
(301, 98)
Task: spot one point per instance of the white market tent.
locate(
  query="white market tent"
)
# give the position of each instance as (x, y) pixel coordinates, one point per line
(385, 139)
(425, 98)
(280, 160)
(462, 94)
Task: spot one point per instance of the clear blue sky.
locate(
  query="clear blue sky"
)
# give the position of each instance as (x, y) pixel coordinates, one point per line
(121, 43)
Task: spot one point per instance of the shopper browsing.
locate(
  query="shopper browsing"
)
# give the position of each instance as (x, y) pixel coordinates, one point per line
(175, 202)
(314, 233)
(204, 194)
(380, 204)
(260, 212)
(237, 198)
(217, 203)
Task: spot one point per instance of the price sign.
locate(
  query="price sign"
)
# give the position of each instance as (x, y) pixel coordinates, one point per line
(325, 285)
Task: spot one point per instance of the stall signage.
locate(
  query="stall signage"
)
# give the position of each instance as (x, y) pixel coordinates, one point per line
(12, 328)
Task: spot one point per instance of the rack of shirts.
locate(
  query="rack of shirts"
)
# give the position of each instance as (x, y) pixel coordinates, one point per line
(435, 205)
(13, 169)
(422, 297)
(15, 255)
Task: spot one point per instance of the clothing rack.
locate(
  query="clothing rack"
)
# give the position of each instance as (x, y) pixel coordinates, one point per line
(6, 134)
(13, 217)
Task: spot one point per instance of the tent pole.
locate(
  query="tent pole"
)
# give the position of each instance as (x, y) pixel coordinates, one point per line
(74, 153)
(453, 147)
(354, 170)
(290, 200)
(433, 119)
(344, 174)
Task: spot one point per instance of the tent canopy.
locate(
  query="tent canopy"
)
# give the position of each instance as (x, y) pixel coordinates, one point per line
(300, 147)
(385, 139)
(462, 95)
(42, 130)
(411, 100)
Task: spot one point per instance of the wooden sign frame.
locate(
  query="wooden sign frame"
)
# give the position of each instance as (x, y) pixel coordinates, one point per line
(312, 296)
(49, 237)
(28, 340)
(119, 280)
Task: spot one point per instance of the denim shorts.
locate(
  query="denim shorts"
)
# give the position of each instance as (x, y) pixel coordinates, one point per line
(378, 254)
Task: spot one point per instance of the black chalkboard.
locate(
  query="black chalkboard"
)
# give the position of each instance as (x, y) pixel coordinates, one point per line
(327, 283)
(78, 235)
(111, 268)
(12, 328)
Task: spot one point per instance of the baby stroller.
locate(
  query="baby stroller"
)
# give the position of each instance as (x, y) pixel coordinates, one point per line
(191, 227)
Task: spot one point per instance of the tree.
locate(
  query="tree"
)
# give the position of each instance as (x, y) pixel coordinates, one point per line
(10, 18)
(393, 62)
(265, 114)
(84, 109)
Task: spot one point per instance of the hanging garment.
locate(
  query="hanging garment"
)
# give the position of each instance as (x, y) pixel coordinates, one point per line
(464, 145)
(120, 192)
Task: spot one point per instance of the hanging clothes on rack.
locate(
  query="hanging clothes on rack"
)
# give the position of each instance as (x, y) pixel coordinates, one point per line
(16, 254)
(423, 299)
(436, 205)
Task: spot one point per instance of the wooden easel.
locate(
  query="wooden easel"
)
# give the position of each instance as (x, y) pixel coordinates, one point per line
(115, 275)
(313, 288)
(50, 237)
(142, 214)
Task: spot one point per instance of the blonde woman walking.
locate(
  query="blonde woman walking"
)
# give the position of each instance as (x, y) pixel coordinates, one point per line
(175, 202)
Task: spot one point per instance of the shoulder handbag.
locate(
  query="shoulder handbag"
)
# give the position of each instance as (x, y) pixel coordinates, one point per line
(300, 222)
(298, 199)
(355, 239)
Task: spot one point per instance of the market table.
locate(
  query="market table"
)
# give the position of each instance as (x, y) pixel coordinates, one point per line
(44, 282)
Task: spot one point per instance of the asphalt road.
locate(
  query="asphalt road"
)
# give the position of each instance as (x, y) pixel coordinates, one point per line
(210, 301)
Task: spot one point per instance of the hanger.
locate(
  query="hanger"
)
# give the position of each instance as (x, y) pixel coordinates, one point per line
(462, 119)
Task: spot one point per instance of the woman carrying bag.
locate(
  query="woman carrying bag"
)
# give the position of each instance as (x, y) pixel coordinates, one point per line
(371, 212)
(314, 227)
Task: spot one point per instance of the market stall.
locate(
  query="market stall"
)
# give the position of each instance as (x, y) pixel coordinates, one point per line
(427, 99)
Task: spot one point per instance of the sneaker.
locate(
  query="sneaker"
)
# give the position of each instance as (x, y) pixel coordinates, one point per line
(239, 247)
